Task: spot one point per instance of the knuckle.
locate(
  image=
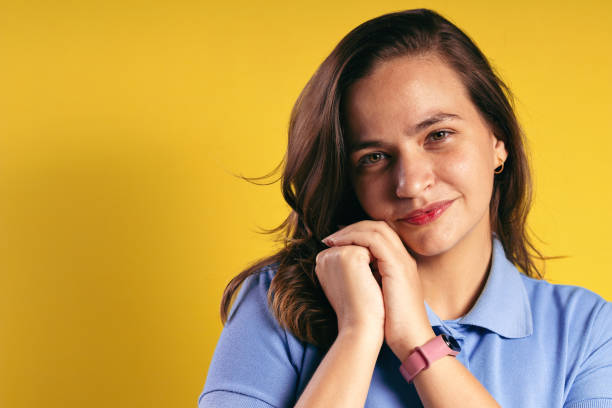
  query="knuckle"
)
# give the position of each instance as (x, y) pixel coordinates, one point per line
(379, 225)
(347, 255)
(321, 257)
(384, 226)
(345, 252)
(355, 254)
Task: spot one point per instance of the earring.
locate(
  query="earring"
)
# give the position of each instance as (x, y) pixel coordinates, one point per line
(500, 170)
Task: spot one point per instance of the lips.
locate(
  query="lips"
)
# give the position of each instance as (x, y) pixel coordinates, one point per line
(426, 209)
(427, 213)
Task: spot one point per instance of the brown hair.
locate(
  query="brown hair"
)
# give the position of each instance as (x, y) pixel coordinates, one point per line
(315, 180)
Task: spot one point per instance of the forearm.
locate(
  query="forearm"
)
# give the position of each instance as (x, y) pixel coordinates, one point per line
(343, 377)
(446, 383)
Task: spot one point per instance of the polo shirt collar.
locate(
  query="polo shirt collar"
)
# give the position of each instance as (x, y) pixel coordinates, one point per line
(503, 306)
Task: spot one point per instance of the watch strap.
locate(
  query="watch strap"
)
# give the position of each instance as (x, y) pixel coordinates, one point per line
(423, 356)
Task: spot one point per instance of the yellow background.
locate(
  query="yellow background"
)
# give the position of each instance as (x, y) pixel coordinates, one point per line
(121, 123)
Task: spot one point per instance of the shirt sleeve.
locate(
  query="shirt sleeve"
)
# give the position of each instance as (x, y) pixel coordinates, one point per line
(592, 385)
(252, 366)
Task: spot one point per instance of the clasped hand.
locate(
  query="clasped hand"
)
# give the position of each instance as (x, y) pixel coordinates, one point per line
(385, 299)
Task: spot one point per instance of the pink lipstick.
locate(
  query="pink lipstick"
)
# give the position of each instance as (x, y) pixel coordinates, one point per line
(429, 215)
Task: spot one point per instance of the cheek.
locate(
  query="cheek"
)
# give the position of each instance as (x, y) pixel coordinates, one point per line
(468, 171)
(371, 193)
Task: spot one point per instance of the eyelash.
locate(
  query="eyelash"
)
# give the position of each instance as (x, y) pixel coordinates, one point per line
(363, 160)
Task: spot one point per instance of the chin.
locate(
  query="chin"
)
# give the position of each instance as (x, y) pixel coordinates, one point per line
(428, 244)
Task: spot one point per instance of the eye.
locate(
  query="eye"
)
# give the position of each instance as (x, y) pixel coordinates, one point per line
(372, 158)
(439, 135)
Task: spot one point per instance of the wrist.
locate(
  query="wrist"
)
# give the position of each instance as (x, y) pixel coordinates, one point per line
(365, 334)
(406, 345)
(428, 353)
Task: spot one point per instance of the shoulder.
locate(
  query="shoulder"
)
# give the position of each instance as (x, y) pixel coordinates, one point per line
(568, 307)
(576, 324)
(570, 298)
(252, 318)
(253, 292)
(256, 362)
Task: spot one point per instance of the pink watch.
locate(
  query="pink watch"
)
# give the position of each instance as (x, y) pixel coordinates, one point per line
(423, 356)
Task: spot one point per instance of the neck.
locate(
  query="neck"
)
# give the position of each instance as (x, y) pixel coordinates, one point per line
(453, 280)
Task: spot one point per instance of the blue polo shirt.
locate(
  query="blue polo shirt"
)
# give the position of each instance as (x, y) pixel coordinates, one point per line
(529, 342)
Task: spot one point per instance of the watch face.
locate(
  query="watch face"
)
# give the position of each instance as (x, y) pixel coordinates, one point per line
(451, 342)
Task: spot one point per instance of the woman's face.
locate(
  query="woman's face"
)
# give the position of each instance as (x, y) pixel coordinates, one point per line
(415, 139)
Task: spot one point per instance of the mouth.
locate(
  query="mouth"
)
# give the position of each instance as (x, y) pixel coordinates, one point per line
(429, 215)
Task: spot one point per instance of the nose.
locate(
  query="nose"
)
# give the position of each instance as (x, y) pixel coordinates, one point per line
(414, 174)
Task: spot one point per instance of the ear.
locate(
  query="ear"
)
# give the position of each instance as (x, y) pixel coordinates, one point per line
(499, 151)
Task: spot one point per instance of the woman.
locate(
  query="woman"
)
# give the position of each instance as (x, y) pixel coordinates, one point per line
(399, 282)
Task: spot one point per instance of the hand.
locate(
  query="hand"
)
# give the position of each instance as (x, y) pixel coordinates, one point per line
(405, 323)
(351, 289)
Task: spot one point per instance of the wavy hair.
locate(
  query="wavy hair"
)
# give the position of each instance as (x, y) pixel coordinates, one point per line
(315, 180)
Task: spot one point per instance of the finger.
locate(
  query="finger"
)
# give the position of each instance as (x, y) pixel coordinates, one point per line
(375, 241)
(366, 225)
(380, 227)
(330, 250)
(377, 277)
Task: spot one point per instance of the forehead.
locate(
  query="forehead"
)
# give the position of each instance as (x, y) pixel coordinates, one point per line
(400, 92)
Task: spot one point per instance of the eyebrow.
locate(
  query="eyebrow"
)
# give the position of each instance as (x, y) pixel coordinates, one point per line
(432, 120)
